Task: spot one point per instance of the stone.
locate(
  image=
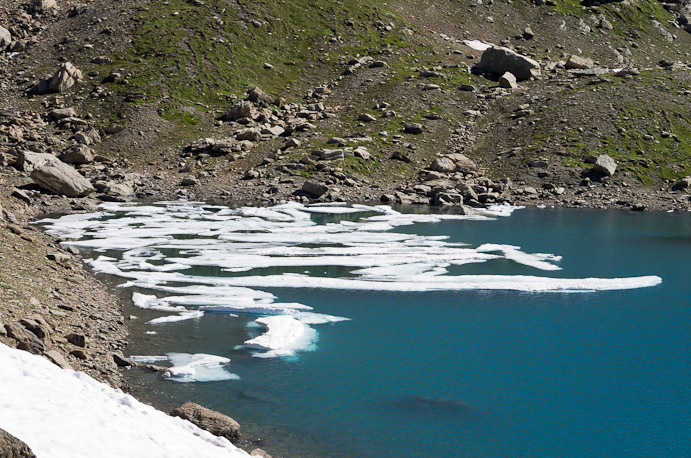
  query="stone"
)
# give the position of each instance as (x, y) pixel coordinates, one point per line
(56, 358)
(62, 113)
(508, 81)
(251, 134)
(76, 339)
(463, 163)
(27, 160)
(214, 422)
(683, 184)
(38, 326)
(398, 156)
(60, 178)
(579, 63)
(260, 97)
(366, 117)
(77, 154)
(605, 165)
(242, 109)
(44, 4)
(66, 77)
(260, 453)
(362, 152)
(121, 361)
(500, 60)
(443, 164)
(315, 189)
(189, 181)
(201, 145)
(448, 198)
(413, 128)
(273, 131)
(88, 136)
(11, 447)
(5, 38)
(26, 340)
(21, 195)
(292, 143)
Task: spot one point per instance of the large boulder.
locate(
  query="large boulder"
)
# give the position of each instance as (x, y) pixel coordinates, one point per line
(500, 60)
(443, 164)
(66, 77)
(60, 178)
(605, 165)
(11, 447)
(5, 38)
(210, 420)
(260, 97)
(463, 163)
(27, 160)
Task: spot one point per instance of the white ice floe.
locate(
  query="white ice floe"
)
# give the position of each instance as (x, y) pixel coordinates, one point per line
(64, 414)
(285, 335)
(148, 359)
(199, 367)
(189, 315)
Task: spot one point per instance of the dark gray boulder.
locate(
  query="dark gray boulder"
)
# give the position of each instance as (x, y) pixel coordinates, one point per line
(315, 189)
(499, 60)
(214, 422)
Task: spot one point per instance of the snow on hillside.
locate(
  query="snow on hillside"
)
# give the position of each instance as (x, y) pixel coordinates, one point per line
(67, 414)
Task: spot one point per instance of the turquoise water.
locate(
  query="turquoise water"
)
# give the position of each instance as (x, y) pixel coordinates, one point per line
(470, 373)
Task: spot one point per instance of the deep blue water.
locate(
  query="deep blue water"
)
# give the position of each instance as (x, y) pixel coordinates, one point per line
(473, 373)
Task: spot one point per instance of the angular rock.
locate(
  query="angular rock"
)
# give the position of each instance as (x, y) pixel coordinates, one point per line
(60, 178)
(27, 160)
(242, 109)
(579, 63)
(398, 156)
(76, 339)
(467, 191)
(605, 165)
(413, 128)
(189, 181)
(62, 113)
(463, 163)
(214, 422)
(56, 358)
(499, 60)
(331, 154)
(508, 81)
(121, 361)
(88, 137)
(11, 447)
(251, 134)
(366, 117)
(5, 38)
(260, 453)
(315, 189)
(260, 97)
(77, 154)
(362, 152)
(66, 77)
(682, 185)
(26, 340)
(38, 326)
(443, 164)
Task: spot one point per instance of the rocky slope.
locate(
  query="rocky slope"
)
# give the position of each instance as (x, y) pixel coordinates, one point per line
(353, 100)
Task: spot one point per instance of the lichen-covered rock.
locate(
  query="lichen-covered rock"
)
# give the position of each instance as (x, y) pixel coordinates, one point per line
(214, 422)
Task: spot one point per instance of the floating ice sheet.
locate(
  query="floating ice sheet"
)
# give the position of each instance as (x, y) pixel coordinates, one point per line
(199, 367)
(200, 258)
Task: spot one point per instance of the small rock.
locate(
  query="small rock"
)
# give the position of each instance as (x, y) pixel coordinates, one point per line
(315, 189)
(5, 38)
(397, 155)
(413, 128)
(78, 154)
(11, 447)
(366, 117)
(268, 65)
(121, 361)
(77, 339)
(56, 358)
(605, 165)
(508, 81)
(214, 422)
(499, 60)
(579, 63)
(189, 181)
(683, 184)
(260, 453)
(62, 113)
(66, 77)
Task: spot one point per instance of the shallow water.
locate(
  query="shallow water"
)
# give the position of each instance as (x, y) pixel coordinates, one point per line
(471, 373)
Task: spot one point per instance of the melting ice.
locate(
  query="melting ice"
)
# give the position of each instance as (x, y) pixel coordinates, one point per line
(248, 239)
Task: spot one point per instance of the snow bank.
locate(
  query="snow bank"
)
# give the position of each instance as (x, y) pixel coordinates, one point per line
(66, 414)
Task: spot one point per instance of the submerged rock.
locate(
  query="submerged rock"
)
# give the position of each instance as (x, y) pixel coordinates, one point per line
(210, 420)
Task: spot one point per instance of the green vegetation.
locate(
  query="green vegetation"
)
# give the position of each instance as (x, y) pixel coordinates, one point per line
(201, 53)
